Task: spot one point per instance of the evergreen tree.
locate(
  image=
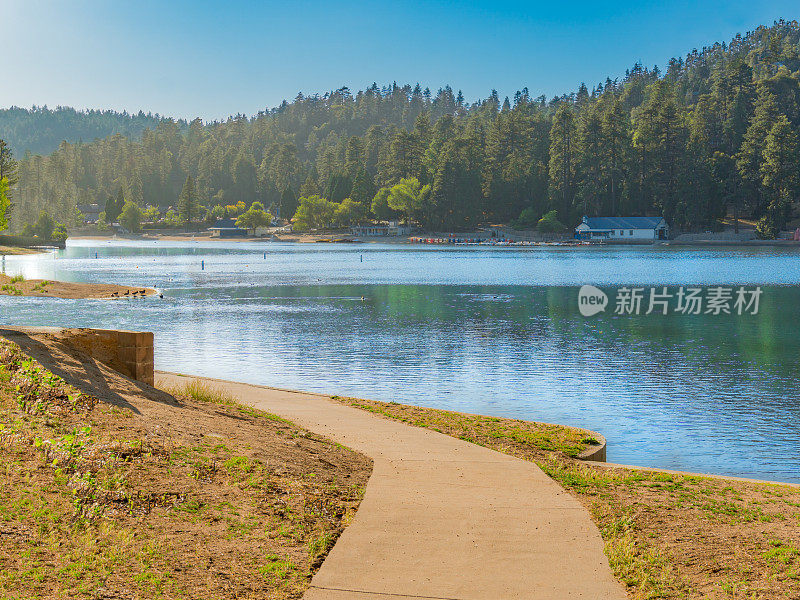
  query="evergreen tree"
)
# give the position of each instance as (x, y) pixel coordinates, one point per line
(616, 142)
(44, 226)
(339, 187)
(309, 187)
(750, 155)
(590, 192)
(780, 172)
(562, 160)
(131, 217)
(188, 205)
(244, 179)
(289, 203)
(354, 156)
(114, 206)
(455, 198)
(659, 140)
(404, 158)
(363, 190)
(8, 166)
(689, 145)
(5, 204)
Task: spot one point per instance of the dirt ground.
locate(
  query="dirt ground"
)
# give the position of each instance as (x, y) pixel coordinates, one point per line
(114, 489)
(15, 286)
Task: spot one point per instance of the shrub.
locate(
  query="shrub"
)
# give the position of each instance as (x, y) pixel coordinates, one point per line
(527, 219)
(59, 233)
(549, 223)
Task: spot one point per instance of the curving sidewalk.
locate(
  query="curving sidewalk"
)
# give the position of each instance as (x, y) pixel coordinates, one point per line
(443, 519)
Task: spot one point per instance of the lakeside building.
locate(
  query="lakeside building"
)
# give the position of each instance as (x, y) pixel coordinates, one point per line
(622, 228)
(90, 212)
(393, 228)
(226, 228)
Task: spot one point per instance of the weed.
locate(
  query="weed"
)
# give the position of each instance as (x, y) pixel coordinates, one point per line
(321, 545)
(277, 568)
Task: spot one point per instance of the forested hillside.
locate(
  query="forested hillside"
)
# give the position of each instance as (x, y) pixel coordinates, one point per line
(713, 132)
(40, 130)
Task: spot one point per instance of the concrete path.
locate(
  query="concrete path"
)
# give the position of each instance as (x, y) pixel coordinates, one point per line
(442, 518)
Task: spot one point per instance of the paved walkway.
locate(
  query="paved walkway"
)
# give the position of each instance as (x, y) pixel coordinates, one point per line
(442, 518)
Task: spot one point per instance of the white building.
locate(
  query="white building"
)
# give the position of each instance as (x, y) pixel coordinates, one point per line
(394, 228)
(622, 228)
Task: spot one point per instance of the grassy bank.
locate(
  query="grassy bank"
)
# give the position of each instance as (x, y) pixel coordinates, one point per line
(155, 496)
(524, 439)
(667, 536)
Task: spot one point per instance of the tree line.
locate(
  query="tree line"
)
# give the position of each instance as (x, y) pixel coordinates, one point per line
(39, 130)
(715, 133)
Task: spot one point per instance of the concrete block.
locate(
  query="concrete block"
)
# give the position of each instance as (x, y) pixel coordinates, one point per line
(128, 352)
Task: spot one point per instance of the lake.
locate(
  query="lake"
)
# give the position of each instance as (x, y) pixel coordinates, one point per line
(486, 330)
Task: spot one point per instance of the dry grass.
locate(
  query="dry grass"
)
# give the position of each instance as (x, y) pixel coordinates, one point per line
(202, 499)
(525, 439)
(13, 250)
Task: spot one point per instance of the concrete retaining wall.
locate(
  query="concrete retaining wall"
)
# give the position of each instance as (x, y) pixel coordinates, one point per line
(596, 453)
(128, 352)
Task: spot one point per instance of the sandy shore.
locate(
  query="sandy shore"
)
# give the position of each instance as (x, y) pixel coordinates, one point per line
(348, 238)
(61, 289)
(14, 250)
(206, 237)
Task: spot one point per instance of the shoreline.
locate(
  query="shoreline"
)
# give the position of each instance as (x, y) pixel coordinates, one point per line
(437, 240)
(204, 237)
(594, 462)
(46, 288)
(21, 251)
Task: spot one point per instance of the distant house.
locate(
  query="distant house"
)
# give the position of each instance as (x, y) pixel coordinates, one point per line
(226, 228)
(90, 212)
(622, 228)
(393, 228)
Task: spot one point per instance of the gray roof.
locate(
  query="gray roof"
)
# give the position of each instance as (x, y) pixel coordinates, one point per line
(607, 223)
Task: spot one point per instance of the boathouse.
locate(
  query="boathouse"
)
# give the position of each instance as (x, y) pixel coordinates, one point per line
(226, 228)
(622, 228)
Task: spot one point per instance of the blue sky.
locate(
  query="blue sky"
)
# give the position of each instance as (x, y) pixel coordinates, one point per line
(212, 59)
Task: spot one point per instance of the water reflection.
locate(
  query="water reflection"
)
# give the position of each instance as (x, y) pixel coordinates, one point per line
(672, 391)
